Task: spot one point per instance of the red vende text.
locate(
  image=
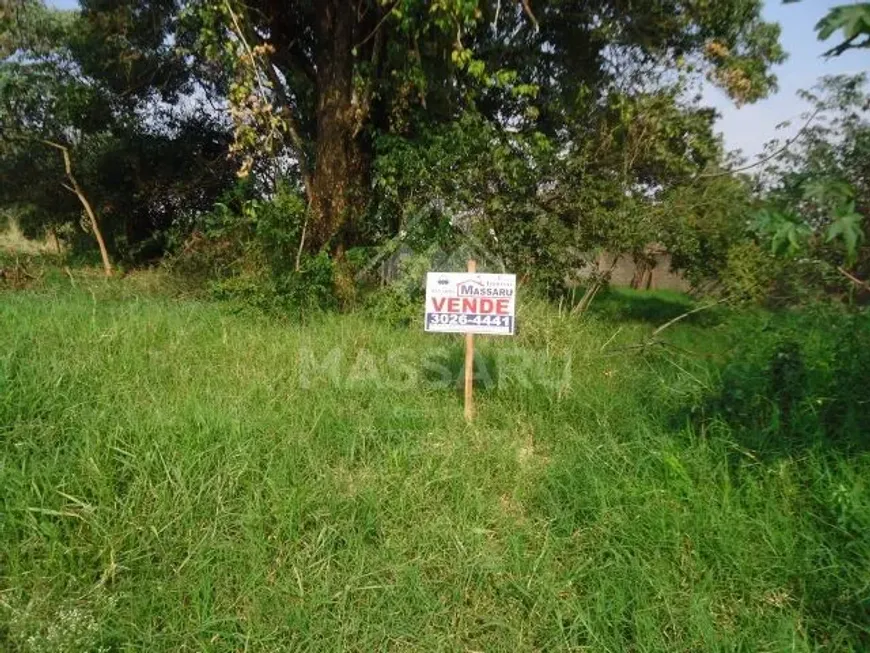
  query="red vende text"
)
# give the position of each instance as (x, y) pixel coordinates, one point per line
(474, 305)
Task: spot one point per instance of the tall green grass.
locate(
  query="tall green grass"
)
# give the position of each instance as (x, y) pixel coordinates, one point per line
(176, 476)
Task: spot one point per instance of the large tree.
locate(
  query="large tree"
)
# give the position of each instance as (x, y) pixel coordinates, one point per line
(321, 89)
(320, 78)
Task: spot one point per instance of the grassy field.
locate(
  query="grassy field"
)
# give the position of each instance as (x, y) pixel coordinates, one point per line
(177, 476)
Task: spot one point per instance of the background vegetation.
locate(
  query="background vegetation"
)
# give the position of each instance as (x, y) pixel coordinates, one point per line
(288, 149)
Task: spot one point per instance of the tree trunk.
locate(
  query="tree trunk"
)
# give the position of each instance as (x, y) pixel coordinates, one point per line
(52, 234)
(74, 187)
(342, 169)
(642, 273)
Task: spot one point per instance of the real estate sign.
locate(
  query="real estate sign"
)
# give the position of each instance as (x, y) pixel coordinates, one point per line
(467, 302)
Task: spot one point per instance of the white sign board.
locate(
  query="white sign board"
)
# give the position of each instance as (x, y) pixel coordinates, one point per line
(467, 302)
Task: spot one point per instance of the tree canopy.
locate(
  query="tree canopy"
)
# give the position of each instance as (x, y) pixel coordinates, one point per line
(545, 129)
(320, 81)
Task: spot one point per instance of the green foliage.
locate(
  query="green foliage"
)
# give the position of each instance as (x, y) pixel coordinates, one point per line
(544, 133)
(144, 165)
(799, 379)
(700, 222)
(846, 226)
(816, 196)
(128, 45)
(421, 71)
(245, 251)
(626, 305)
(394, 306)
(750, 273)
(468, 187)
(852, 20)
(627, 179)
(310, 289)
(784, 231)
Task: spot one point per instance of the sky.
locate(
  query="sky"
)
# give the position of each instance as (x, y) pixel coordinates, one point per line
(750, 127)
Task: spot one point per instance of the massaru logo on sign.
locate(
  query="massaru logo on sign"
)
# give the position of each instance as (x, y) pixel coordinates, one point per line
(467, 302)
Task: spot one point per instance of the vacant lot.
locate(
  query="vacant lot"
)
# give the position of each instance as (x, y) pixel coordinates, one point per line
(179, 476)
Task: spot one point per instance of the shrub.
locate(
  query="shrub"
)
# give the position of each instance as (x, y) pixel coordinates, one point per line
(749, 272)
(798, 379)
(246, 250)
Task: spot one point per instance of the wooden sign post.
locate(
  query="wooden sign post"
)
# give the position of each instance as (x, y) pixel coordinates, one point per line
(469, 303)
(469, 362)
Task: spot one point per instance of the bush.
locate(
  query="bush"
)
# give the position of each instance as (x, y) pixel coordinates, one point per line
(309, 288)
(754, 274)
(798, 380)
(246, 249)
(749, 272)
